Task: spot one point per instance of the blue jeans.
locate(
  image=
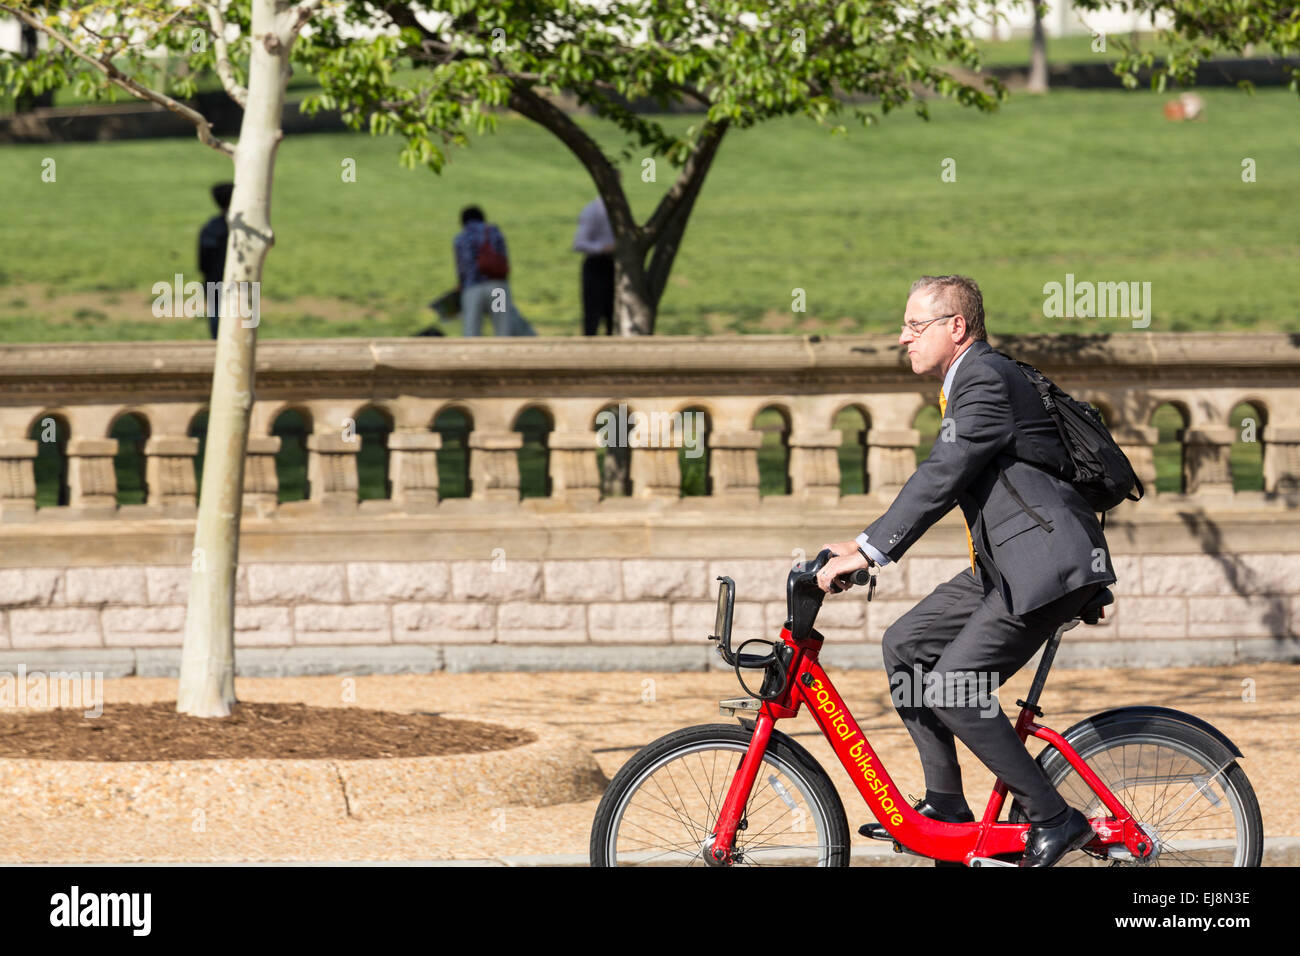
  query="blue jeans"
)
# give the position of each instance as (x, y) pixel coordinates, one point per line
(492, 295)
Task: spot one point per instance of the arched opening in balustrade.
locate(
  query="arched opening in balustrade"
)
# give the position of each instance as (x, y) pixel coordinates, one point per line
(454, 424)
(1246, 457)
(131, 431)
(292, 426)
(534, 456)
(927, 423)
(694, 454)
(774, 452)
(613, 458)
(373, 426)
(1168, 419)
(853, 421)
(51, 433)
(198, 428)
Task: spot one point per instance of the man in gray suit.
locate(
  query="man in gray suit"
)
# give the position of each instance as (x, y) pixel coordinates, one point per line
(1037, 556)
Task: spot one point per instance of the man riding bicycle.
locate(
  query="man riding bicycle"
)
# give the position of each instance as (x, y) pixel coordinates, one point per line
(1037, 555)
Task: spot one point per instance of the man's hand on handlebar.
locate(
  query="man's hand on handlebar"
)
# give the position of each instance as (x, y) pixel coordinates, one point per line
(848, 559)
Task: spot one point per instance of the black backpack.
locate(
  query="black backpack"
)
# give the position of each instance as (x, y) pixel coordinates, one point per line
(1102, 475)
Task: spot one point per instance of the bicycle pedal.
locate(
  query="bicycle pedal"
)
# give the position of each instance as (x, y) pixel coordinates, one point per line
(874, 832)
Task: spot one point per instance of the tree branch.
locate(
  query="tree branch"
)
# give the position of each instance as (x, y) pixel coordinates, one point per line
(698, 164)
(203, 128)
(527, 102)
(237, 92)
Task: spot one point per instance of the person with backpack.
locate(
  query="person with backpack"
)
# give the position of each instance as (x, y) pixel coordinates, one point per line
(482, 266)
(1021, 461)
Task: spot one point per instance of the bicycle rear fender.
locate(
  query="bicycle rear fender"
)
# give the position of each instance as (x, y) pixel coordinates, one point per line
(1118, 716)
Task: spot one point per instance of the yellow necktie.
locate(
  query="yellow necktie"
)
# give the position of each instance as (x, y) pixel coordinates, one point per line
(970, 542)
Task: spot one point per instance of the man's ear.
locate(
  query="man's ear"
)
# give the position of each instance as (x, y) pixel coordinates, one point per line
(959, 329)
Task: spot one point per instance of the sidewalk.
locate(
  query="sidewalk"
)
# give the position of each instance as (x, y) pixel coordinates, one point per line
(615, 714)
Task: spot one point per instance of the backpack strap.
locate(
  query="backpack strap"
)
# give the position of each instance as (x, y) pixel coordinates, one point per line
(1006, 483)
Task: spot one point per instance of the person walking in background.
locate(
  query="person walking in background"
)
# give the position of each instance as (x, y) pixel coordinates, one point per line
(595, 238)
(212, 249)
(482, 264)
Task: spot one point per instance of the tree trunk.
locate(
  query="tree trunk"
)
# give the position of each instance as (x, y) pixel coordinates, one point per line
(207, 681)
(633, 307)
(1038, 55)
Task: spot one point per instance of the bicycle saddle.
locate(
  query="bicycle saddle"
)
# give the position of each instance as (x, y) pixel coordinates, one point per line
(1090, 613)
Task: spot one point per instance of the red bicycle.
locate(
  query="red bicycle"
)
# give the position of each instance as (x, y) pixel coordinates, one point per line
(1160, 787)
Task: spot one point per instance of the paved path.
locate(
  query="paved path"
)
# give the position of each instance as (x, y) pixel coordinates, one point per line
(617, 713)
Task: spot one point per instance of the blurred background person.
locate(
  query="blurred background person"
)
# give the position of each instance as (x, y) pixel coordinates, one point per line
(212, 250)
(595, 238)
(482, 265)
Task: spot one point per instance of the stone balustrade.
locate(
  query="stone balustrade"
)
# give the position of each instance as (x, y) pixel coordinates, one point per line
(70, 397)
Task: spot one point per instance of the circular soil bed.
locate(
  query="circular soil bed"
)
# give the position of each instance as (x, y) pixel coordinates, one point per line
(279, 765)
(130, 732)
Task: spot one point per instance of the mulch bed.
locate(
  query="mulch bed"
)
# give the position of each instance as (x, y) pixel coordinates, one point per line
(254, 731)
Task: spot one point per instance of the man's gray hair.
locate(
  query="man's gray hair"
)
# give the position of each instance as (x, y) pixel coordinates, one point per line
(958, 295)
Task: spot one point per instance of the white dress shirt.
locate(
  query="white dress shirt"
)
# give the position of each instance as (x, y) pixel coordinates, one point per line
(861, 540)
(595, 236)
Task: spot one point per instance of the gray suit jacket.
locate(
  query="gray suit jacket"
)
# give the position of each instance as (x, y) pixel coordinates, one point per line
(996, 432)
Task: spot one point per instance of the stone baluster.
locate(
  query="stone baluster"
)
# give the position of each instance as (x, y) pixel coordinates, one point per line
(332, 470)
(261, 483)
(733, 464)
(656, 473)
(815, 463)
(891, 459)
(169, 472)
(494, 465)
(1206, 452)
(413, 466)
(92, 481)
(1138, 443)
(574, 476)
(1281, 458)
(17, 479)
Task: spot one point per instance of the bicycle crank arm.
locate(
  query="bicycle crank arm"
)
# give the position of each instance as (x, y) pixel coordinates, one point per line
(988, 861)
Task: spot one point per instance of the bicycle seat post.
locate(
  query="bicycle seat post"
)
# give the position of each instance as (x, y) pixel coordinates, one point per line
(1045, 665)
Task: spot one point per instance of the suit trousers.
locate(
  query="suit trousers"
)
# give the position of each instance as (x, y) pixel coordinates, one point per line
(946, 657)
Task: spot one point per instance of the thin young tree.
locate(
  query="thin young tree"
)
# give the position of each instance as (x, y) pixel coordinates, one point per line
(110, 43)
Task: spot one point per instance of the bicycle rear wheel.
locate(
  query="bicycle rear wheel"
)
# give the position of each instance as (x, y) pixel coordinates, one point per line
(662, 806)
(1186, 791)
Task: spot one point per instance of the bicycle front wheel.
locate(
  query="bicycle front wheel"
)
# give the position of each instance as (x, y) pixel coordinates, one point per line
(661, 807)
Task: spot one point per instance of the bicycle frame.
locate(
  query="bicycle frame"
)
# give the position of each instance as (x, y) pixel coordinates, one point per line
(809, 684)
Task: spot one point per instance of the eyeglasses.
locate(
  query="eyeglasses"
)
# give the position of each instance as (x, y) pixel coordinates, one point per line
(916, 328)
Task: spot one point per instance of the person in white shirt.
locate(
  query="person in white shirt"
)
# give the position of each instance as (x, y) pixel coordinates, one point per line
(595, 238)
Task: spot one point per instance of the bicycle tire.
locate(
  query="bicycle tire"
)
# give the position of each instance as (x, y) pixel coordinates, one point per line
(1107, 746)
(808, 782)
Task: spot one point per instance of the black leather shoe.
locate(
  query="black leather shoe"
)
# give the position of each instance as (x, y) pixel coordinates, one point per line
(1046, 845)
(877, 832)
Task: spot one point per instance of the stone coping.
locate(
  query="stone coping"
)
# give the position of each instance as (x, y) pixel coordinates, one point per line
(658, 364)
(554, 769)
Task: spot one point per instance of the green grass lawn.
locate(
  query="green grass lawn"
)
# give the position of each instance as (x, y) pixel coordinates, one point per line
(1096, 184)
